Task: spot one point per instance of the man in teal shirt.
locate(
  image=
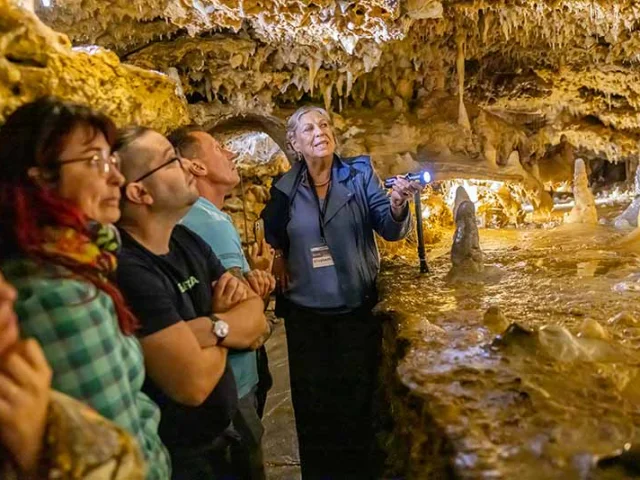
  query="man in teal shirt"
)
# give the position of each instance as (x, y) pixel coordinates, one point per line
(216, 176)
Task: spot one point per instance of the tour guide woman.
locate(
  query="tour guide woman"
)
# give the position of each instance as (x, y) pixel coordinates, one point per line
(59, 193)
(321, 220)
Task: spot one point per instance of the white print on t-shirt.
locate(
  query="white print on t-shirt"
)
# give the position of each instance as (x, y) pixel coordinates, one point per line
(188, 284)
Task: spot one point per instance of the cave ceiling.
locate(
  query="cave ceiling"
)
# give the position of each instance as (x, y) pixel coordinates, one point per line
(544, 64)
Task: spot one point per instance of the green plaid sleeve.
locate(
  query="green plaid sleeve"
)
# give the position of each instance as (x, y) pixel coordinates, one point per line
(76, 326)
(92, 361)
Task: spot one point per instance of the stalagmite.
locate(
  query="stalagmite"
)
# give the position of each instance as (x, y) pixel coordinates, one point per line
(466, 256)
(629, 218)
(584, 210)
(461, 196)
(463, 117)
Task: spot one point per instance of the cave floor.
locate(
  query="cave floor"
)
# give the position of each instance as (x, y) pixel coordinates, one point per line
(543, 403)
(280, 442)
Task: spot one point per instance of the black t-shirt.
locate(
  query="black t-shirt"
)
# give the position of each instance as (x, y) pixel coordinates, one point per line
(163, 290)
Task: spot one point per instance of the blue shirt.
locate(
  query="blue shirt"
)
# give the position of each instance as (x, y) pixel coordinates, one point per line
(305, 228)
(216, 228)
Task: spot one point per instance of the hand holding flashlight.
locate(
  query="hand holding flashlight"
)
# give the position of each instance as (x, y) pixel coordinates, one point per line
(422, 177)
(402, 190)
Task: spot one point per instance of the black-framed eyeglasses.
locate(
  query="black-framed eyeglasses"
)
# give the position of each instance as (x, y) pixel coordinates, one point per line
(104, 162)
(165, 164)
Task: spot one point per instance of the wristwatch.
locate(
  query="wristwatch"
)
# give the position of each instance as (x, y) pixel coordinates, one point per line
(219, 328)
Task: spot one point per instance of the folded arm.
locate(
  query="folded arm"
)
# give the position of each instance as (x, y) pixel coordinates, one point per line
(177, 364)
(247, 324)
(180, 366)
(243, 311)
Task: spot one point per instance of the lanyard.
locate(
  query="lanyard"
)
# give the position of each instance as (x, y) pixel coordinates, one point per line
(321, 210)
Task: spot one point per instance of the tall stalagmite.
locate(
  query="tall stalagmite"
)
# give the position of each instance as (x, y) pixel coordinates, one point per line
(584, 210)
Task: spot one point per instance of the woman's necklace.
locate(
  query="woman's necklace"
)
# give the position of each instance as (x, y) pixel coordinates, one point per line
(323, 183)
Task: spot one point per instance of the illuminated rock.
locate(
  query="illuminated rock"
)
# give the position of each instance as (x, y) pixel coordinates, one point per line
(629, 218)
(466, 256)
(584, 210)
(495, 320)
(590, 328)
(36, 61)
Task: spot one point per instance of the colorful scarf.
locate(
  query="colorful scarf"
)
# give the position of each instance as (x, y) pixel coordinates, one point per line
(95, 249)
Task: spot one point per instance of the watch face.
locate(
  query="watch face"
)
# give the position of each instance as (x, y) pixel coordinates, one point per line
(221, 329)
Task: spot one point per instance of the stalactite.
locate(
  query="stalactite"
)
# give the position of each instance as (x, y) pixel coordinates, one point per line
(349, 82)
(314, 65)
(207, 88)
(463, 117)
(328, 90)
(284, 49)
(339, 85)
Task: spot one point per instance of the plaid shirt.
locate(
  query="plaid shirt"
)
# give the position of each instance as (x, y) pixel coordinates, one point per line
(91, 359)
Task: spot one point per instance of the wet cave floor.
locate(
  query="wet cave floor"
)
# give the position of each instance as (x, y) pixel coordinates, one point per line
(537, 403)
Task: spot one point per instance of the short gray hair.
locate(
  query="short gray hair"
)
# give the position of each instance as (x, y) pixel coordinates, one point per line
(294, 120)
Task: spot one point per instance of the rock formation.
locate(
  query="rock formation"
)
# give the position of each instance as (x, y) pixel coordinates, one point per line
(629, 218)
(557, 342)
(591, 328)
(495, 320)
(467, 89)
(508, 77)
(461, 196)
(466, 256)
(34, 61)
(584, 210)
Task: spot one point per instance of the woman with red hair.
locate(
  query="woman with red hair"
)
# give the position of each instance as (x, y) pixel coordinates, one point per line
(59, 197)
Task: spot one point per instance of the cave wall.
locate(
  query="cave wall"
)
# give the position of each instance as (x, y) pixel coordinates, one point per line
(36, 61)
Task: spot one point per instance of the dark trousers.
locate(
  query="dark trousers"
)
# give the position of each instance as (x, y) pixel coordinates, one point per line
(210, 462)
(265, 380)
(333, 364)
(246, 455)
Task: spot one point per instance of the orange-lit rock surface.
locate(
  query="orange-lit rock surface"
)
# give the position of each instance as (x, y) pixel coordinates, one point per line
(36, 61)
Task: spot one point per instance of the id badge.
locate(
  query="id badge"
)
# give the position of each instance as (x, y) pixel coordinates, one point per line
(321, 257)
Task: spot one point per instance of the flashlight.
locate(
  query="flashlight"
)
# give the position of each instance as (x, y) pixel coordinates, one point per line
(422, 177)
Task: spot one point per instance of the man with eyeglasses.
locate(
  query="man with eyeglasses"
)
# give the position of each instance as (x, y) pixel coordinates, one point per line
(190, 310)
